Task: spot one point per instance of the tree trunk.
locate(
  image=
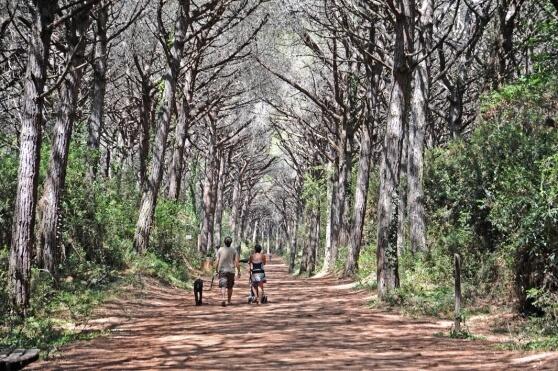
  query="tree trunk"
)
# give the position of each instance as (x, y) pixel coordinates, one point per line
(402, 199)
(42, 12)
(318, 233)
(243, 220)
(293, 247)
(387, 269)
(236, 212)
(49, 255)
(209, 195)
(277, 241)
(183, 124)
(151, 188)
(269, 231)
(146, 111)
(223, 163)
(361, 195)
(307, 245)
(313, 239)
(332, 232)
(341, 195)
(419, 115)
(255, 233)
(507, 15)
(98, 89)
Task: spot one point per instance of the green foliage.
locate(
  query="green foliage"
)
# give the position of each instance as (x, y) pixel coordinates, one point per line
(8, 174)
(314, 192)
(97, 230)
(493, 201)
(59, 310)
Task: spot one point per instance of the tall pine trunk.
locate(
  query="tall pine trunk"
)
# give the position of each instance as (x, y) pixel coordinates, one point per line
(98, 89)
(335, 217)
(387, 261)
(49, 254)
(151, 187)
(223, 163)
(209, 195)
(42, 12)
(417, 125)
(183, 124)
(146, 112)
(361, 194)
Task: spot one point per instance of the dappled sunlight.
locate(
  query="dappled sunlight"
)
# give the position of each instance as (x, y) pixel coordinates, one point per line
(308, 324)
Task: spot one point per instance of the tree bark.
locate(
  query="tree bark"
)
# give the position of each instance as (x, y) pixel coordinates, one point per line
(49, 256)
(387, 261)
(98, 89)
(151, 188)
(235, 219)
(361, 195)
(269, 230)
(223, 164)
(293, 246)
(42, 13)
(341, 195)
(402, 199)
(209, 195)
(255, 233)
(183, 124)
(313, 239)
(333, 218)
(146, 112)
(307, 245)
(419, 115)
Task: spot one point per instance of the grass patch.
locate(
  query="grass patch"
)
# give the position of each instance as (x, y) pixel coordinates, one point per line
(60, 311)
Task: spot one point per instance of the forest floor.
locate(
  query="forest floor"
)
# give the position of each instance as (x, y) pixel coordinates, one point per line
(307, 324)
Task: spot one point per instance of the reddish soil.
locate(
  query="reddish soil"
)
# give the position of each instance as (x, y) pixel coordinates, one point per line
(307, 324)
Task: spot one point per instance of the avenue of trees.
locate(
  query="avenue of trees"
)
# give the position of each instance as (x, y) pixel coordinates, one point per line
(403, 131)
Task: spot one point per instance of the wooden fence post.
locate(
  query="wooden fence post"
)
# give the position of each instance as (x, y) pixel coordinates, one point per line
(457, 265)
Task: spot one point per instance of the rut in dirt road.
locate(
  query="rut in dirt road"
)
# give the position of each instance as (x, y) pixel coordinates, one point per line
(308, 324)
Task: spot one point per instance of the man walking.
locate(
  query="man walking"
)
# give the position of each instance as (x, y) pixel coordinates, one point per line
(226, 260)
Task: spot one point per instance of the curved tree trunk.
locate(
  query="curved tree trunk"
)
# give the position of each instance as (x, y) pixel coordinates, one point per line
(62, 133)
(98, 89)
(146, 112)
(361, 195)
(151, 188)
(42, 12)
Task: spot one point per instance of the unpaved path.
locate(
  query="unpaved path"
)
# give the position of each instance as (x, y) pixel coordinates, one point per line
(308, 324)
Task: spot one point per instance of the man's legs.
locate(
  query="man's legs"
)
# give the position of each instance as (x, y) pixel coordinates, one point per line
(230, 285)
(230, 291)
(223, 290)
(223, 284)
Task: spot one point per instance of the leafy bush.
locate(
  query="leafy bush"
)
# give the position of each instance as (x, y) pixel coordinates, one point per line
(493, 200)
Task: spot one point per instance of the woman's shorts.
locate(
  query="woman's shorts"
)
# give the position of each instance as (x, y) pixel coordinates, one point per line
(258, 278)
(226, 279)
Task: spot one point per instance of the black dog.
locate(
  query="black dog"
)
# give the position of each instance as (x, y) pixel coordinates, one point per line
(198, 291)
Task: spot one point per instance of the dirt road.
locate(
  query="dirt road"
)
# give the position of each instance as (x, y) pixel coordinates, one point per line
(308, 324)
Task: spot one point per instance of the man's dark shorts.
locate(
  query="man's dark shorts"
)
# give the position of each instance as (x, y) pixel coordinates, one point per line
(226, 279)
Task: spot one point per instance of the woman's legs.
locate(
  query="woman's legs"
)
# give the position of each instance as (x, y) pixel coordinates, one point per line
(255, 288)
(261, 291)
